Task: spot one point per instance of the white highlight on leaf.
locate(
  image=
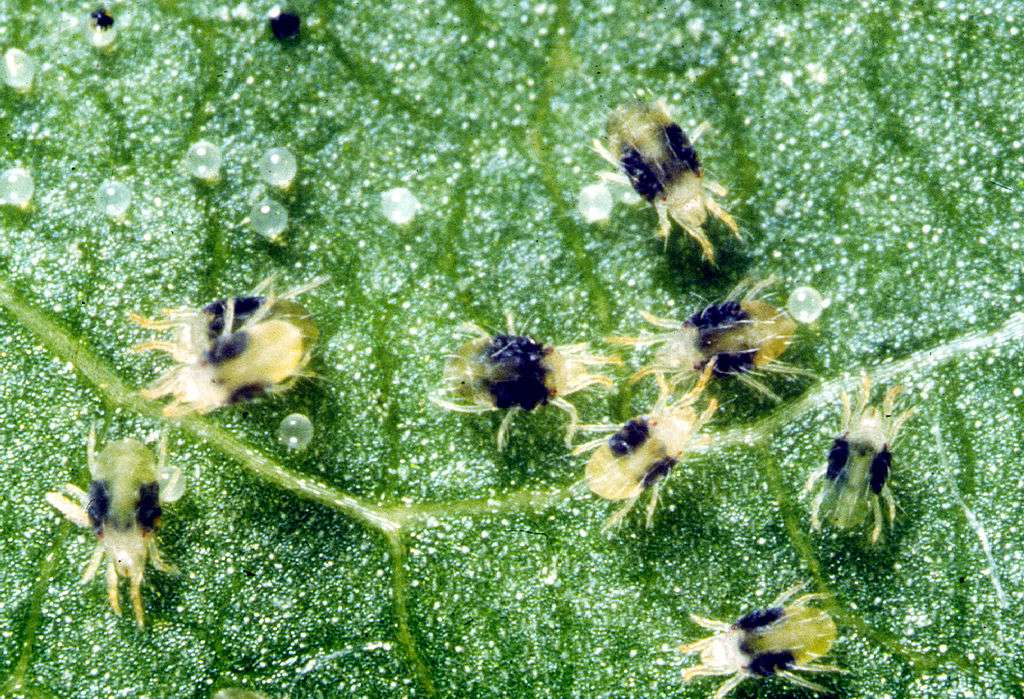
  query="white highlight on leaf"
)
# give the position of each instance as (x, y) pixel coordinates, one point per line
(16, 187)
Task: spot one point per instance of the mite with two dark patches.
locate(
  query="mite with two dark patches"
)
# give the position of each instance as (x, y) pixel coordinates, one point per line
(742, 337)
(514, 372)
(228, 346)
(780, 640)
(653, 155)
(854, 482)
(123, 508)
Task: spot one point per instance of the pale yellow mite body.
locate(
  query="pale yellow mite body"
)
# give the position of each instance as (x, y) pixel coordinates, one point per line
(639, 455)
(516, 373)
(743, 336)
(123, 509)
(232, 350)
(652, 154)
(854, 482)
(780, 640)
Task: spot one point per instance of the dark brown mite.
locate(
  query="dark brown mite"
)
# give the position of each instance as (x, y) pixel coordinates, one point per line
(514, 372)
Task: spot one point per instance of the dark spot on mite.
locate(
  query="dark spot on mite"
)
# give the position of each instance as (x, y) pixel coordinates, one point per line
(517, 363)
(633, 434)
(246, 393)
(285, 26)
(880, 470)
(641, 175)
(148, 511)
(838, 455)
(681, 148)
(658, 471)
(100, 18)
(759, 618)
(227, 347)
(245, 306)
(732, 363)
(98, 507)
(719, 316)
(767, 664)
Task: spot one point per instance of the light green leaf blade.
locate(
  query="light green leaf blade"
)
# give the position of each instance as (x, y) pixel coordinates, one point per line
(872, 152)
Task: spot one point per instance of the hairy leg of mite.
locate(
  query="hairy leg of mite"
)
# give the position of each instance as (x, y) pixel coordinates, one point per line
(750, 382)
(136, 594)
(876, 511)
(692, 673)
(890, 503)
(701, 129)
(664, 224)
(819, 499)
(115, 601)
(70, 510)
(503, 429)
(652, 503)
(729, 685)
(710, 624)
(574, 418)
(619, 515)
(702, 239)
(818, 667)
(722, 215)
(94, 564)
(154, 556)
(177, 352)
(476, 408)
(815, 476)
(847, 415)
(786, 594)
(801, 682)
(601, 150)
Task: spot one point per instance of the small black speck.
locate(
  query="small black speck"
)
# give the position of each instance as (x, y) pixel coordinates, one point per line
(100, 18)
(285, 26)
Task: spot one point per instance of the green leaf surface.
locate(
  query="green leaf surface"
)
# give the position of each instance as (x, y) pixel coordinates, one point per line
(872, 151)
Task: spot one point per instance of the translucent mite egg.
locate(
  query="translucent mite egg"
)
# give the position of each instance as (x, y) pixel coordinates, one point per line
(16, 187)
(805, 304)
(171, 483)
(268, 218)
(203, 161)
(295, 432)
(399, 205)
(19, 70)
(114, 198)
(595, 203)
(278, 167)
